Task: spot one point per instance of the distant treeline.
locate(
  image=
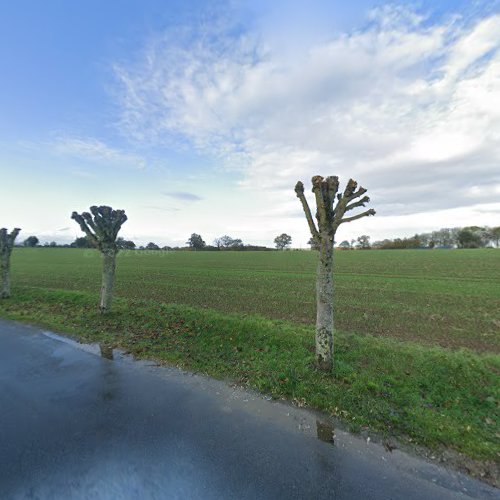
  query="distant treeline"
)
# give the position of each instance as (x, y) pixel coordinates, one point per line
(193, 244)
(456, 237)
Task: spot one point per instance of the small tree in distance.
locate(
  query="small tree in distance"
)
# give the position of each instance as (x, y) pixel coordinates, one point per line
(6, 245)
(81, 242)
(364, 242)
(196, 242)
(283, 241)
(101, 227)
(331, 208)
(31, 241)
(469, 238)
(227, 242)
(124, 244)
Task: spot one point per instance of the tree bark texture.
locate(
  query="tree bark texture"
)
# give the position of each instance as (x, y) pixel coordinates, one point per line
(5, 265)
(6, 246)
(324, 306)
(108, 278)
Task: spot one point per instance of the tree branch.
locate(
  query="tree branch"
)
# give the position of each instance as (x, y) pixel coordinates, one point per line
(299, 190)
(355, 217)
(13, 235)
(349, 189)
(102, 217)
(360, 203)
(349, 195)
(322, 214)
(89, 221)
(120, 219)
(332, 183)
(357, 193)
(83, 226)
(7, 240)
(339, 209)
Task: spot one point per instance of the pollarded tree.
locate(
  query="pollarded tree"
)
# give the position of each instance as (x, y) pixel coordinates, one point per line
(331, 209)
(101, 227)
(6, 245)
(283, 241)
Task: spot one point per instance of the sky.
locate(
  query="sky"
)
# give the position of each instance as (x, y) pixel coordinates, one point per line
(200, 117)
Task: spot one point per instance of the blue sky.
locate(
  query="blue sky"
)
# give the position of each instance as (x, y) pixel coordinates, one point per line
(201, 116)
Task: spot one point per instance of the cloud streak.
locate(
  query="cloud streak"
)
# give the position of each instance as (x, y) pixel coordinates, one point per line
(163, 209)
(96, 151)
(183, 195)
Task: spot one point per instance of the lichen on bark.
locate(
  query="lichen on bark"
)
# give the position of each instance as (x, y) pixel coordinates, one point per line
(331, 207)
(6, 245)
(101, 226)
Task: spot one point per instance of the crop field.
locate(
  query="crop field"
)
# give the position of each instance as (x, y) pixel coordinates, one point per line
(449, 298)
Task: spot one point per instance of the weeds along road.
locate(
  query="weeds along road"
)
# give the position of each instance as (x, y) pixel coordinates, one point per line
(76, 425)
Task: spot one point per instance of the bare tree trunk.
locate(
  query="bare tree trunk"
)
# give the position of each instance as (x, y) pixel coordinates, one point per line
(108, 278)
(324, 305)
(5, 265)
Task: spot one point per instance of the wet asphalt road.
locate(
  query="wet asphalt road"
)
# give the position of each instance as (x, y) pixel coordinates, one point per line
(75, 425)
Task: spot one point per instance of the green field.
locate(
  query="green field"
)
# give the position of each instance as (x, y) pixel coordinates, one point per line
(449, 298)
(416, 345)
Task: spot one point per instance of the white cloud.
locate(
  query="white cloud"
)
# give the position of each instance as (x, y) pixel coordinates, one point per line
(95, 151)
(409, 108)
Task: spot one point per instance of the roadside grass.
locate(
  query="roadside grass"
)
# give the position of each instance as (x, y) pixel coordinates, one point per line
(429, 395)
(449, 298)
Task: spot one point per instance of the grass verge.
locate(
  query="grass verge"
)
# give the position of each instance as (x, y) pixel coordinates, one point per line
(428, 395)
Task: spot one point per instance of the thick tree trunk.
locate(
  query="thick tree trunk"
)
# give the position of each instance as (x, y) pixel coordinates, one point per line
(324, 305)
(108, 278)
(5, 271)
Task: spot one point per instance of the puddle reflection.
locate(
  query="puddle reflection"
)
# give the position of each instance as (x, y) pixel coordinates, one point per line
(325, 431)
(106, 351)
